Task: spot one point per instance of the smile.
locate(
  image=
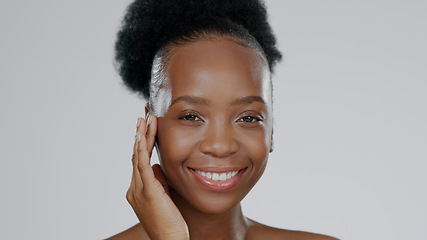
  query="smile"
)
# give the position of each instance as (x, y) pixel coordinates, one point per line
(217, 176)
(218, 180)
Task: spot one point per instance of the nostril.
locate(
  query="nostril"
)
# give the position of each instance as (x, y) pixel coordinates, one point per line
(217, 155)
(219, 147)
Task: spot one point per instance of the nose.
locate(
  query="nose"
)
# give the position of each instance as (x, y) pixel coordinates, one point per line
(219, 141)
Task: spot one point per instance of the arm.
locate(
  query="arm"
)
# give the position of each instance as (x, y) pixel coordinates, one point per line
(135, 232)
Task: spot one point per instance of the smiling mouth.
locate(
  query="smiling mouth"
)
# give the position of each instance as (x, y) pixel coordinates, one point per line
(218, 180)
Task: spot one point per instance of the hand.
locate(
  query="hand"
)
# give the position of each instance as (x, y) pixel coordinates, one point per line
(148, 193)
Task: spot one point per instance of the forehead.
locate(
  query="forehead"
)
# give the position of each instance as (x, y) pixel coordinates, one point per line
(214, 67)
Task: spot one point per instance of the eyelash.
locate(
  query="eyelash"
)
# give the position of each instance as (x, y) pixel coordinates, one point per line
(187, 116)
(253, 119)
(194, 117)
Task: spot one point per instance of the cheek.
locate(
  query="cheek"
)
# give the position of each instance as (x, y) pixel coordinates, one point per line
(257, 150)
(175, 144)
(256, 143)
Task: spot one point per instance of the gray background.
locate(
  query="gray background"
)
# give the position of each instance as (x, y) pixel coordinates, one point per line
(350, 133)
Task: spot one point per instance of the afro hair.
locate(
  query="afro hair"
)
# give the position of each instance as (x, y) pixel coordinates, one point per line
(149, 25)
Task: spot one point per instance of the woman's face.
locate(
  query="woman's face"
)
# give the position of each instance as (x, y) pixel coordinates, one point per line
(215, 138)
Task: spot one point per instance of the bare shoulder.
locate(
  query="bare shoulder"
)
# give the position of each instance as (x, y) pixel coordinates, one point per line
(261, 231)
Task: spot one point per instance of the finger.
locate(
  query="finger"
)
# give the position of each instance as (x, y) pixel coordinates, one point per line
(130, 194)
(137, 182)
(161, 177)
(144, 167)
(151, 133)
(130, 191)
(134, 161)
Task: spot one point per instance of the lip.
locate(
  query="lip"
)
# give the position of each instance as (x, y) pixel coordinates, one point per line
(218, 185)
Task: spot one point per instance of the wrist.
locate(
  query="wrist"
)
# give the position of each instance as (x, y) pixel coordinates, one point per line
(177, 236)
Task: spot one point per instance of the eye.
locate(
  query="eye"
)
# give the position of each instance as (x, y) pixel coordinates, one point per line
(249, 119)
(190, 117)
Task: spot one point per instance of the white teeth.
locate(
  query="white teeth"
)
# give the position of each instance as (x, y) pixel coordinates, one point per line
(217, 176)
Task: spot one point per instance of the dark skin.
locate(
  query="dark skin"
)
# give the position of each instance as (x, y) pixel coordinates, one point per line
(220, 118)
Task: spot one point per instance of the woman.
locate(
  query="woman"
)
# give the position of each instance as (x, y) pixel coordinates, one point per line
(205, 68)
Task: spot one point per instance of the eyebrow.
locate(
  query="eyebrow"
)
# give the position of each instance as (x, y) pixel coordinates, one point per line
(191, 99)
(203, 101)
(247, 100)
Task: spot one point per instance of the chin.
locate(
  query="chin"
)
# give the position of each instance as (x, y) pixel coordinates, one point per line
(213, 205)
(208, 202)
(216, 205)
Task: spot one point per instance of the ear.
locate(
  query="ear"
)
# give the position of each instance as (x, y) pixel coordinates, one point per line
(271, 141)
(147, 110)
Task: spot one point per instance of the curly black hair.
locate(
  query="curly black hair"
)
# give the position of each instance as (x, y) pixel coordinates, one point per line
(150, 25)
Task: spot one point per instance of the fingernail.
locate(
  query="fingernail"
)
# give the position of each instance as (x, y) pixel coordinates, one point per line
(138, 122)
(138, 136)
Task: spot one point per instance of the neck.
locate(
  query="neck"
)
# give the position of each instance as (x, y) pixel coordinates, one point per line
(227, 225)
